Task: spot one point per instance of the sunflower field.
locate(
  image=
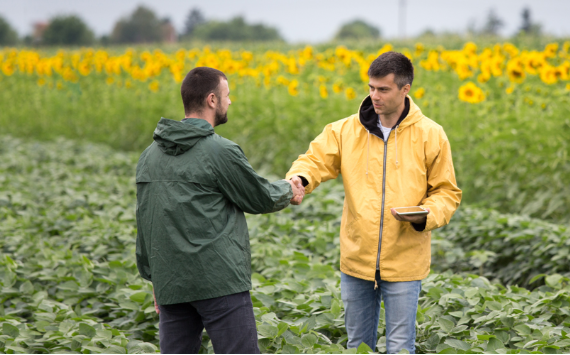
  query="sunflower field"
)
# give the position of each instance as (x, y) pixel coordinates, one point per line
(73, 122)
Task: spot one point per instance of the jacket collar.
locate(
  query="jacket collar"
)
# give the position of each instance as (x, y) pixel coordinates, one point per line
(369, 118)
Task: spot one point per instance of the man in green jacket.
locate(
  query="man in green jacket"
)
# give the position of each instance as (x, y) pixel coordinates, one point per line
(193, 188)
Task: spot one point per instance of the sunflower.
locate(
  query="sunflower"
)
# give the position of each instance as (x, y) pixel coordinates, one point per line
(533, 61)
(511, 49)
(550, 50)
(338, 87)
(419, 93)
(83, 68)
(282, 80)
(154, 86)
(323, 91)
(548, 75)
(471, 93)
(515, 71)
(419, 49)
(561, 72)
(470, 48)
(483, 77)
(350, 93)
(293, 88)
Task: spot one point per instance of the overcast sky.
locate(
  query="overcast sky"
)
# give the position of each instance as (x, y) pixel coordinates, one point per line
(304, 20)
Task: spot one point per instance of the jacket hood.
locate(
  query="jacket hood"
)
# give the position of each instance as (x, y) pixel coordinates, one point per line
(369, 118)
(176, 137)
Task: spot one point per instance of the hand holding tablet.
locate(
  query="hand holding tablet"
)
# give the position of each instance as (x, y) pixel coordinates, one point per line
(410, 211)
(412, 214)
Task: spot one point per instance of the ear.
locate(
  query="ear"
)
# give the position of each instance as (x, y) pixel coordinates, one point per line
(406, 89)
(211, 100)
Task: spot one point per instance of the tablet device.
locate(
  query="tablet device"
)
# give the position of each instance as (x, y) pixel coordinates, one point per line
(412, 210)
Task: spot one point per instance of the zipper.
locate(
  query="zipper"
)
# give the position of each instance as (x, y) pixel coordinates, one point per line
(383, 201)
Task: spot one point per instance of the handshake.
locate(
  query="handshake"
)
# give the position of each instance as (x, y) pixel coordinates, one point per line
(298, 190)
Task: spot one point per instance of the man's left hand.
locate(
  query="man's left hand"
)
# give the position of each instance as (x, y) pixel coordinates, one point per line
(410, 218)
(155, 304)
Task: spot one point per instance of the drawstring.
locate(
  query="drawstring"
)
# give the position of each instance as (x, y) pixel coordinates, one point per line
(375, 284)
(397, 143)
(368, 151)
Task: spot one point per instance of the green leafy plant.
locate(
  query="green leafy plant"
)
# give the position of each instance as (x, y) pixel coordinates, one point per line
(70, 284)
(511, 248)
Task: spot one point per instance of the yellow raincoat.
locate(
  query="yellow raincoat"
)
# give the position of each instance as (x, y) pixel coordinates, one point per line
(413, 168)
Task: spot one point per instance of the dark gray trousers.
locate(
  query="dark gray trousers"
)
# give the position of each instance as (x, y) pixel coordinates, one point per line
(229, 321)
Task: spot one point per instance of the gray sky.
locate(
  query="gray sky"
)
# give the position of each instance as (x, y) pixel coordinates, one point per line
(303, 20)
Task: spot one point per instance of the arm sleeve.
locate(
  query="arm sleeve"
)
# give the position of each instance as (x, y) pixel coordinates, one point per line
(321, 162)
(443, 196)
(240, 184)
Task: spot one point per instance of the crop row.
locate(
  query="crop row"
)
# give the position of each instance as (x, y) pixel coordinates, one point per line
(69, 281)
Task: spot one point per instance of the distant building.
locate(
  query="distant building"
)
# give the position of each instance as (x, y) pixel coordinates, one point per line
(168, 31)
(39, 29)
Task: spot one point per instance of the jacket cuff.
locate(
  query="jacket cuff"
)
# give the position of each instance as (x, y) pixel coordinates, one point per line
(304, 180)
(419, 227)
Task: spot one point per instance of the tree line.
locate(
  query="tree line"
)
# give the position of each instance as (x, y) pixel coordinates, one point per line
(144, 26)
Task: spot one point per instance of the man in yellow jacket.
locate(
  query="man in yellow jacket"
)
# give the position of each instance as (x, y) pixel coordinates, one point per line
(390, 155)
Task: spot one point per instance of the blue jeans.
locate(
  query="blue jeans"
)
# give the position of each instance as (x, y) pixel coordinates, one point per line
(229, 321)
(362, 312)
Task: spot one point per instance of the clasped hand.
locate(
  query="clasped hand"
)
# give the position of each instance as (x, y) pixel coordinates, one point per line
(298, 190)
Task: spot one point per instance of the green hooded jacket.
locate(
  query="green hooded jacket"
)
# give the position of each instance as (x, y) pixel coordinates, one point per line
(193, 188)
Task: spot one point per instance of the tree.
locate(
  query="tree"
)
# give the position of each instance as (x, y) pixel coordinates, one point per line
(235, 30)
(143, 26)
(8, 36)
(67, 30)
(528, 27)
(493, 24)
(194, 19)
(358, 29)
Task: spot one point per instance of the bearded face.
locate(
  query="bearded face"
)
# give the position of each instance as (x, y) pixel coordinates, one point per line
(221, 114)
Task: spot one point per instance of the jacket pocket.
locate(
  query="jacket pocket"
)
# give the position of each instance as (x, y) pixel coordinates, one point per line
(351, 228)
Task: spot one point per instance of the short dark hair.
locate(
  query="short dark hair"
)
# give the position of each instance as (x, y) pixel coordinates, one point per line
(197, 85)
(393, 63)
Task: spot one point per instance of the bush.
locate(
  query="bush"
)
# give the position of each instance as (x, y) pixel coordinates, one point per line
(358, 30)
(235, 30)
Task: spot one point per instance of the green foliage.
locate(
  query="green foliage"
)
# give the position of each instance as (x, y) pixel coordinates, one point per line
(235, 29)
(70, 284)
(513, 249)
(358, 30)
(470, 315)
(67, 30)
(142, 26)
(8, 36)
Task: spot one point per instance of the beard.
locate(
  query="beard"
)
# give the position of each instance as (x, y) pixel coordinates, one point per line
(221, 116)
